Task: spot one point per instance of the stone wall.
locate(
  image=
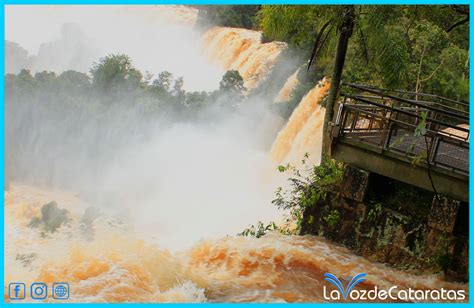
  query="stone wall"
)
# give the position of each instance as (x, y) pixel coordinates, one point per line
(397, 224)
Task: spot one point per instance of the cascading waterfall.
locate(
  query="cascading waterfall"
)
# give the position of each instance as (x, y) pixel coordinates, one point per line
(285, 92)
(242, 50)
(303, 131)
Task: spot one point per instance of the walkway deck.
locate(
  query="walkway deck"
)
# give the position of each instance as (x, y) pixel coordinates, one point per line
(403, 135)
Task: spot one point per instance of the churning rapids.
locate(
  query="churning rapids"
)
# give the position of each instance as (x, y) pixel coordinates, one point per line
(186, 190)
(117, 266)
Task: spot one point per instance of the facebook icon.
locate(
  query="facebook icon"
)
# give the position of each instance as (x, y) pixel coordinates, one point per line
(16, 290)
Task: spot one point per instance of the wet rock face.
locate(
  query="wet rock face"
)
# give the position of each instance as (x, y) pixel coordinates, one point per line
(355, 184)
(443, 214)
(422, 242)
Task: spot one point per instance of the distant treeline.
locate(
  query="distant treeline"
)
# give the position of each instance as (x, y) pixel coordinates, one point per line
(113, 80)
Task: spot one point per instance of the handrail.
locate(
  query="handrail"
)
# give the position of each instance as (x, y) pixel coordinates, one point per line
(438, 133)
(462, 103)
(374, 124)
(405, 112)
(412, 102)
(424, 102)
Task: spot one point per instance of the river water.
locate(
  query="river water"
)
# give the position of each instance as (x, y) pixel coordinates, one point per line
(118, 265)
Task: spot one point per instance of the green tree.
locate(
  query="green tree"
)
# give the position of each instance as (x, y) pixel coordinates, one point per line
(115, 72)
(232, 84)
(438, 65)
(21, 84)
(163, 83)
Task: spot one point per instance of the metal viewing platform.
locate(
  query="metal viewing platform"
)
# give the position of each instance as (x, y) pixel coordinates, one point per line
(406, 136)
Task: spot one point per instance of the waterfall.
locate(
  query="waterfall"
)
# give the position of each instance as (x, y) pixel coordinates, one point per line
(285, 92)
(303, 131)
(242, 50)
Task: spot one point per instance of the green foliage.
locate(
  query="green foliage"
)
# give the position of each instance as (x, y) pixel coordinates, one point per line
(308, 187)
(232, 84)
(163, 83)
(238, 16)
(259, 230)
(392, 46)
(375, 212)
(197, 99)
(115, 72)
(295, 24)
(73, 79)
(51, 218)
(420, 129)
(332, 218)
(115, 80)
(419, 136)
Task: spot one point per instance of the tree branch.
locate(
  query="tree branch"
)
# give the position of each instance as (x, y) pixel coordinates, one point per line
(432, 73)
(461, 22)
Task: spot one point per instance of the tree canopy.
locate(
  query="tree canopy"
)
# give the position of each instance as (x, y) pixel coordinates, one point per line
(417, 48)
(238, 16)
(114, 80)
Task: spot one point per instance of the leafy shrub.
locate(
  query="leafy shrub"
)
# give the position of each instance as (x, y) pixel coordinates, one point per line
(309, 187)
(51, 218)
(332, 218)
(259, 230)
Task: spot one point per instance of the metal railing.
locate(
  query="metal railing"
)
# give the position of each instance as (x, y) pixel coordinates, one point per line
(412, 129)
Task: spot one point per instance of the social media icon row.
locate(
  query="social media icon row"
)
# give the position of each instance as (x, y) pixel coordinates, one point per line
(38, 290)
